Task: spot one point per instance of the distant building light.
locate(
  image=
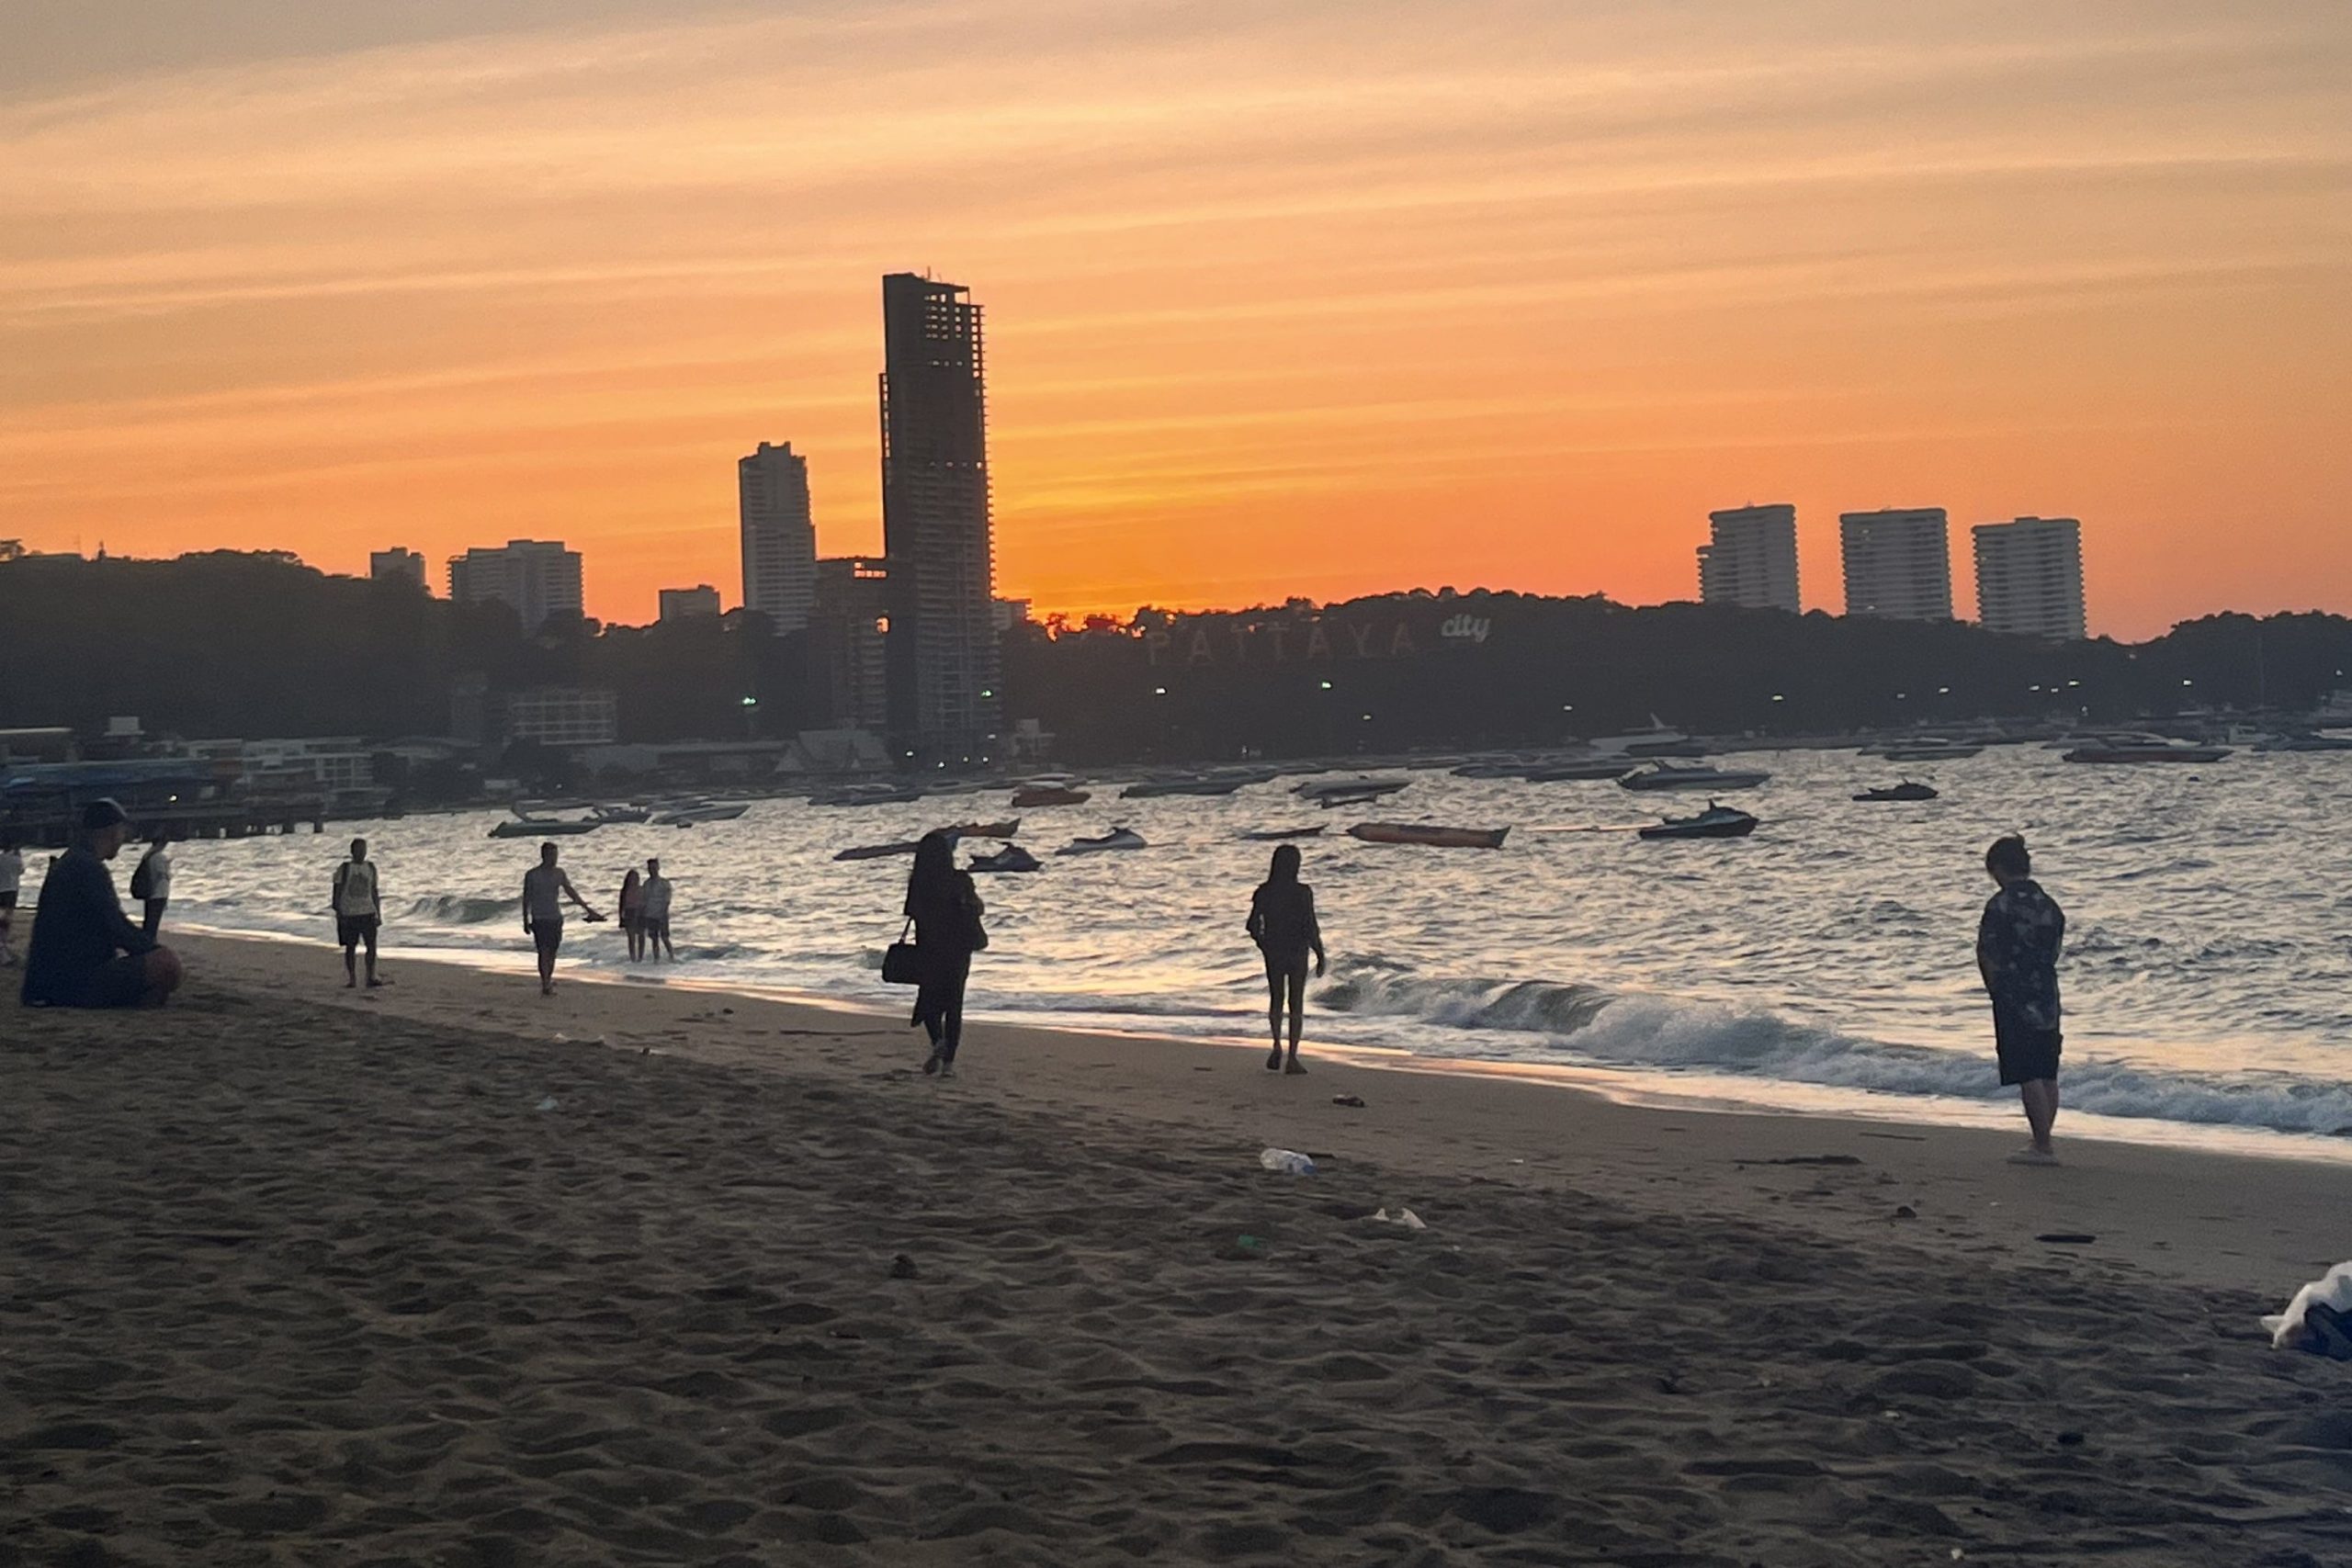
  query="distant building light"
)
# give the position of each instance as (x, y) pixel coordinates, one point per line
(1327, 685)
(1160, 691)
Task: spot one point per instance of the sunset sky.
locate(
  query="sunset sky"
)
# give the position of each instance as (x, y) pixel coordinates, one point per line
(1314, 298)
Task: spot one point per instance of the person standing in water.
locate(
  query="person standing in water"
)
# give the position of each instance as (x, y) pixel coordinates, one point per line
(947, 909)
(632, 913)
(655, 912)
(2018, 943)
(151, 881)
(1283, 924)
(358, 914)
(545, 888)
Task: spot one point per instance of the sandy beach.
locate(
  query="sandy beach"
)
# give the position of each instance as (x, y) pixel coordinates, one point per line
(451, 1274)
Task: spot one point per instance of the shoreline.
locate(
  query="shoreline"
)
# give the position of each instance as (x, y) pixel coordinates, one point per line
(2222, 1218)
(1710, 1092)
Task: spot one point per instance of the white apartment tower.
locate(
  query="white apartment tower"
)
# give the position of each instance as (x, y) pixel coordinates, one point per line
(538, 578)
(1752, 558)
(779, 539)
(2030, 577)
(1899, 564)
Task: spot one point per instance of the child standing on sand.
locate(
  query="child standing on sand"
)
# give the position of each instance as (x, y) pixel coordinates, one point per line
(2017, 942)
(1283, 924)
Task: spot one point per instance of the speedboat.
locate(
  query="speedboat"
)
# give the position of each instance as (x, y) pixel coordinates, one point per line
(1715, 822)
(1426, 833)
(1494, 770)
(622, 813)
(1348, 792)
(1116, 839)
(1276, 835)
(1906, 790)
(1013, 857)
(542, 828)
(2146, 748)
(1148, 789)
(986, 830)
(1029, 797)
(879, 851)
(688, 815)
(1573, 772)
(2301, 742)
(1660, 739)
(1687, 776)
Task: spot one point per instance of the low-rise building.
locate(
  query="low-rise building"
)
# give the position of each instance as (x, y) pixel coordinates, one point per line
(562, 715)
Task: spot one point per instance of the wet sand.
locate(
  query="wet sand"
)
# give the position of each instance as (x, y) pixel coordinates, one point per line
(451, 1274)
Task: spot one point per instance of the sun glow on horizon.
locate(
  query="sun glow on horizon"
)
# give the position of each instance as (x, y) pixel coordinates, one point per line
(1308, 299)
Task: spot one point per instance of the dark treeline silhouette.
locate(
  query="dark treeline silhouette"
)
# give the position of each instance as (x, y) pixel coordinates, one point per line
(251, 645)
(232, 644)
(1417, 670)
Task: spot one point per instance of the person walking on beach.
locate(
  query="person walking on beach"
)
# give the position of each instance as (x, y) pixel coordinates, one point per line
(632, 913)
(12, 879)
(545, 888)
(83, 952)
(656, 912)
(151, 881)
(358, 914)
(1283, 924)
(946, 910)
(2017, 942)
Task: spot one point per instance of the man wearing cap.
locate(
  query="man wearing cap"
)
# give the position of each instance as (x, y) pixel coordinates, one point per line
(84, 952)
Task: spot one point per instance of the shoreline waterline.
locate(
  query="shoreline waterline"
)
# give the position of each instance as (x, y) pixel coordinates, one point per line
(1700, 1093)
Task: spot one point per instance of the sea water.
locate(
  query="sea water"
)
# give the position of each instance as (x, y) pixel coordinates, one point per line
(1828, 960)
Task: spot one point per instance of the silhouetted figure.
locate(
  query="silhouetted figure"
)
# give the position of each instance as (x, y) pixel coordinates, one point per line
(1283, 924)
(946, 910)
(151, 882)
(655, 911)
(632, 912)
(12, 879)
(2018, 943)
(545, 888)
(85, 953)
(358, 914)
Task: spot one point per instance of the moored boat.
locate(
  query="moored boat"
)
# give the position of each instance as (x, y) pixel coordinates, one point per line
(1430, 834)
(879, 851)
(1929, 751)
(1275, 835)
(1348, 792)
(1693, 776)
(1013, 857)
(1029, 797)
(1116, 839)
(987, 829)
(1715, 822)
(531, 828)
(2146, 748)
(692, 812)
(1906, 790)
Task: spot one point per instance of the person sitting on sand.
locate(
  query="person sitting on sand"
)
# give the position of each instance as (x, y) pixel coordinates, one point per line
(545, 888)
(12, 879)
(83, 952)
(1283, 924)
(632, 913)
(2017, 942)
(656, 913)
(946, 910)
(358, 914)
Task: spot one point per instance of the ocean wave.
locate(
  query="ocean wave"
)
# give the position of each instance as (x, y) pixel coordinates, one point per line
(456, 909)
(1595, 1028)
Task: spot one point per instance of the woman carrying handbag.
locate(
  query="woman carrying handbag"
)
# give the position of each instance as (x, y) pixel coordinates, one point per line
(944, 910)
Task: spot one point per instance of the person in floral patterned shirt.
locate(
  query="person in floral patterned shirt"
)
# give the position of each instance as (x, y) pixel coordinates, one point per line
(2017, 942)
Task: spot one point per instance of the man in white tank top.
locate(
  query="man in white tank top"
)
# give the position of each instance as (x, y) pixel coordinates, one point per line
(358, 913)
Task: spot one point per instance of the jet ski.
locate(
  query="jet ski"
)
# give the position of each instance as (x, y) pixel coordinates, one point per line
(1906, 790)
(1013, 857)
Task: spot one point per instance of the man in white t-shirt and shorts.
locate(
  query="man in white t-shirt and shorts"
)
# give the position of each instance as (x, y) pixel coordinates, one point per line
(545, 888)
(653, 910)
(358, 914)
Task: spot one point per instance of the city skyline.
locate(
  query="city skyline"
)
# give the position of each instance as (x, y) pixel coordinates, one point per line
(1282, 301)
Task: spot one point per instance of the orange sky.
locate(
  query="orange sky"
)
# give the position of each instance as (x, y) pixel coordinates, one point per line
(1282, 298)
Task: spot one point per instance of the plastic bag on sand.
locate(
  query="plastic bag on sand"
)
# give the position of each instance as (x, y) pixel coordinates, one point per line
(2298, 1328)
(1403, 1217)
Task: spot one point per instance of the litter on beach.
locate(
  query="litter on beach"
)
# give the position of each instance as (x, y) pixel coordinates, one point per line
(2319, 1318)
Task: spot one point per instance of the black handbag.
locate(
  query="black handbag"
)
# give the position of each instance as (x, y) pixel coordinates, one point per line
(902, 962)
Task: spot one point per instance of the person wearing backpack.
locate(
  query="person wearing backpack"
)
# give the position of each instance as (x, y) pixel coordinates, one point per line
(151, 881)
